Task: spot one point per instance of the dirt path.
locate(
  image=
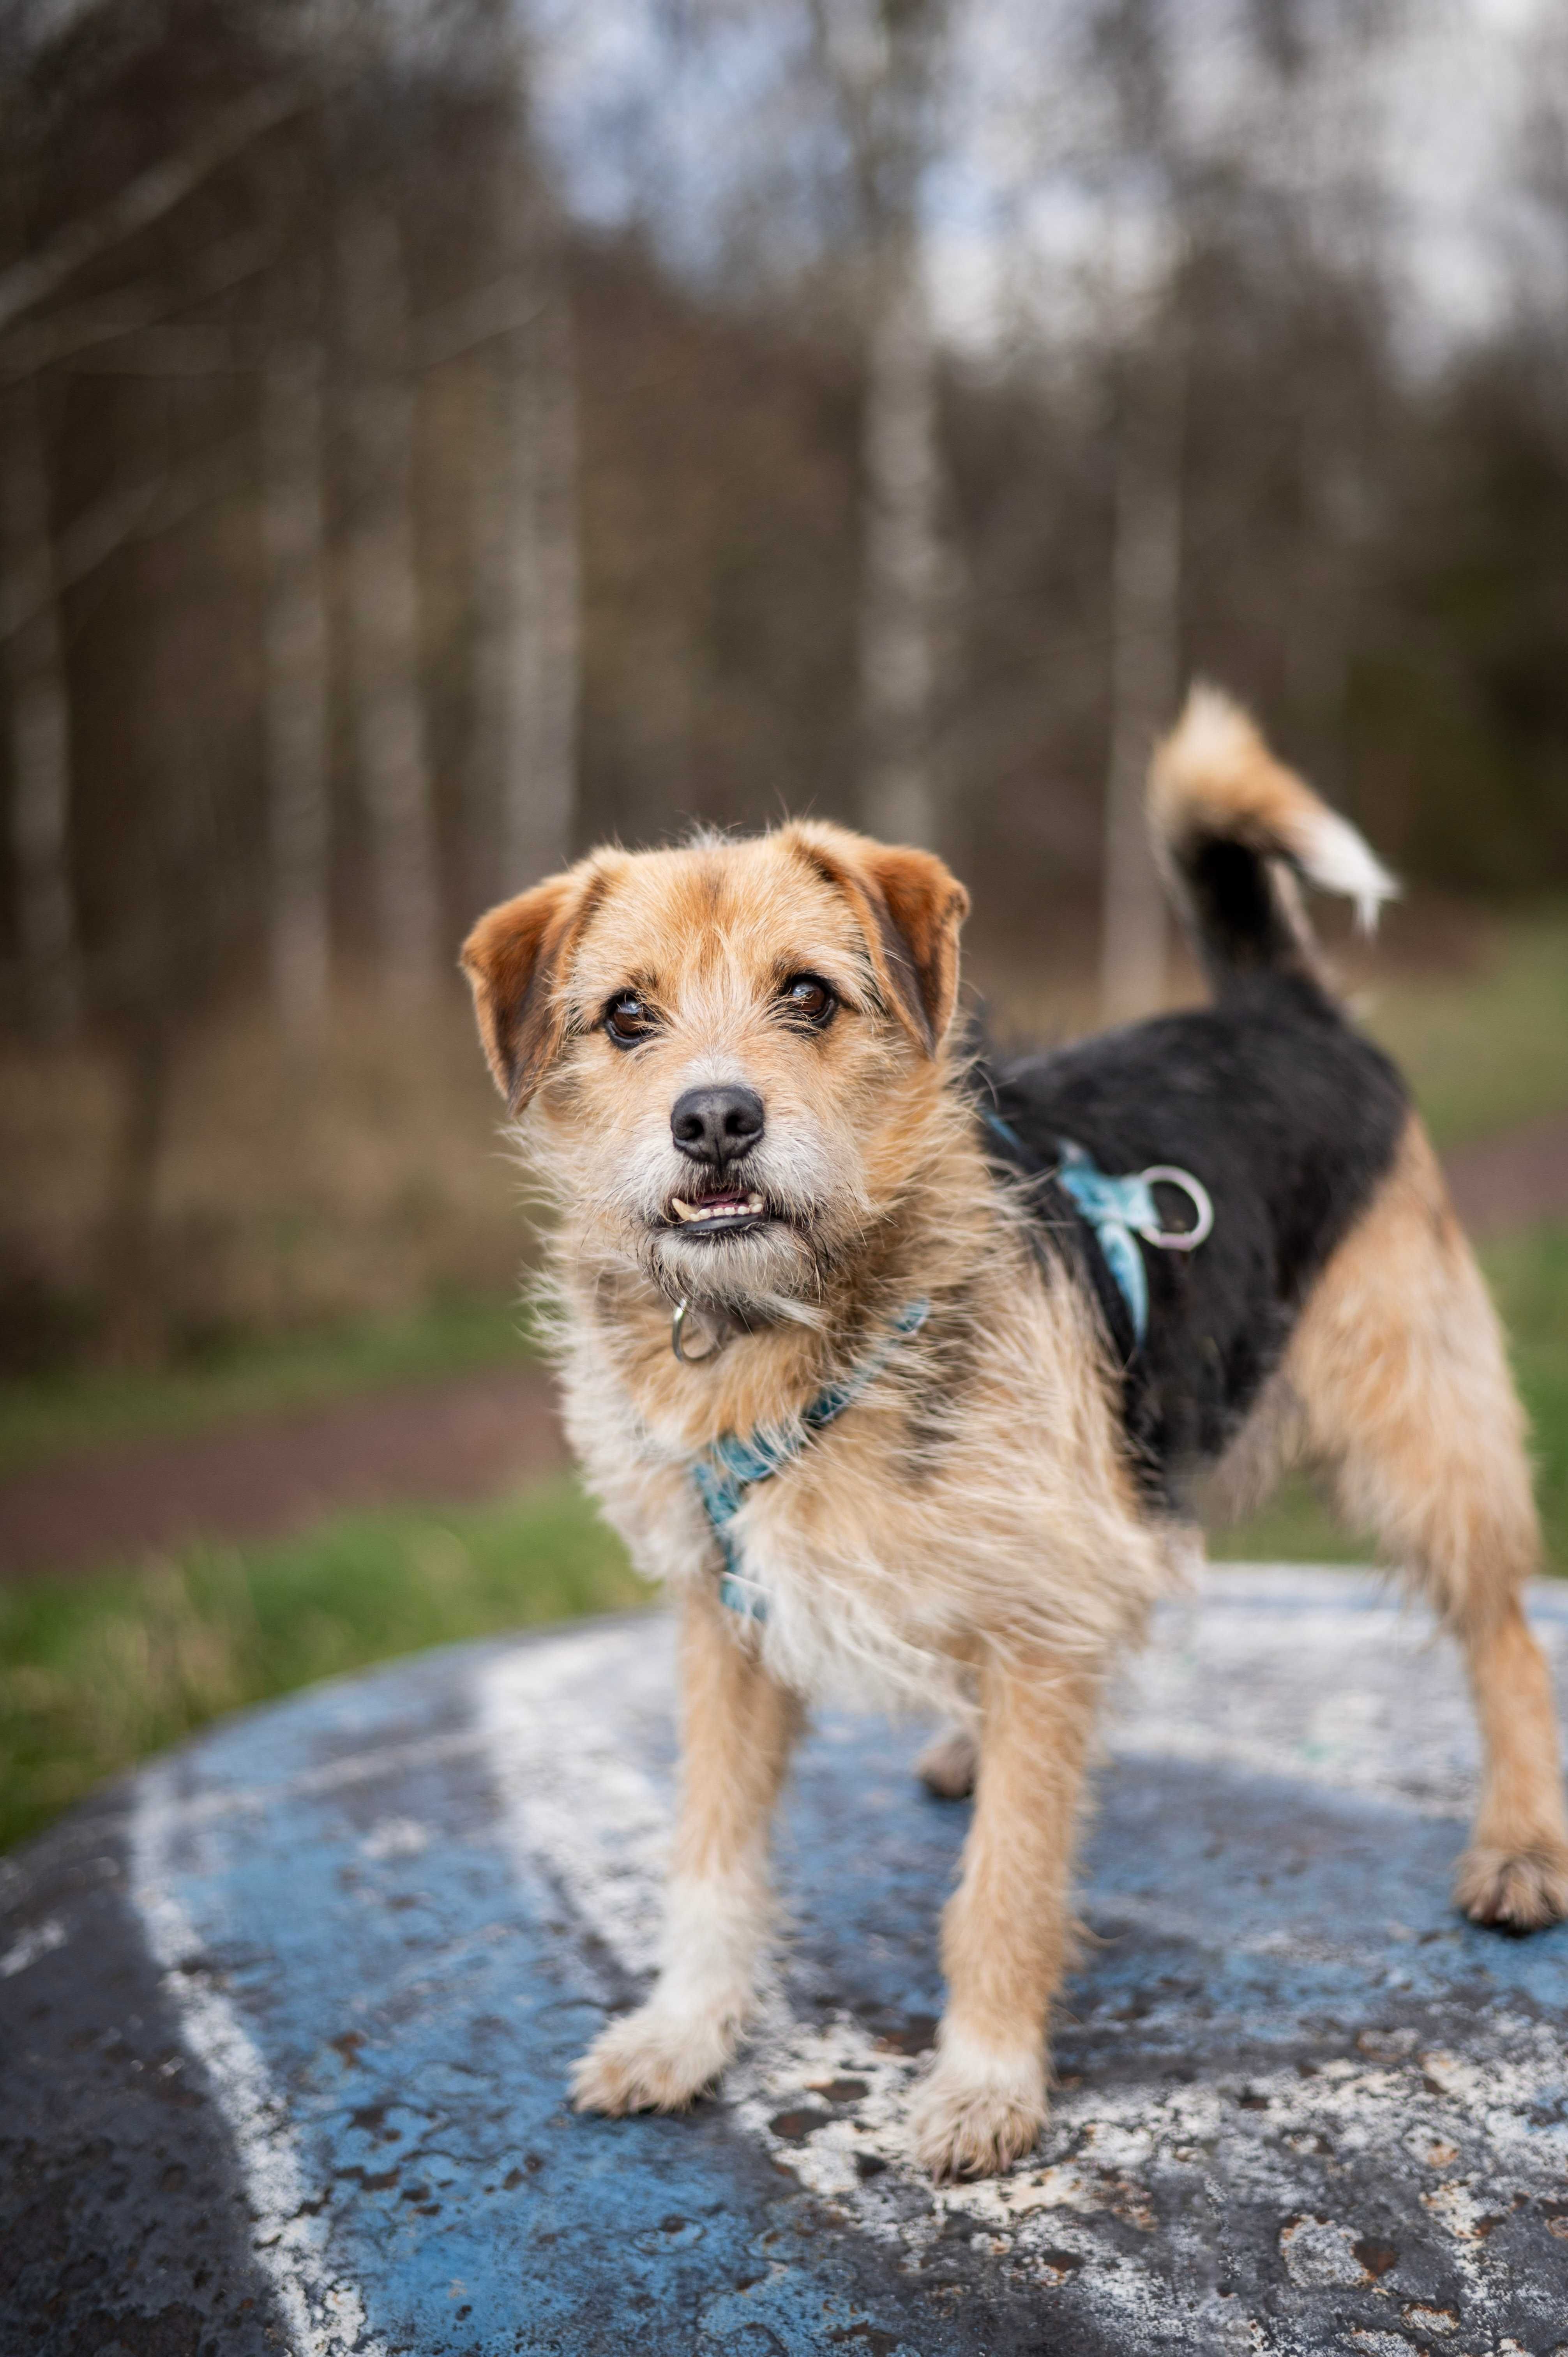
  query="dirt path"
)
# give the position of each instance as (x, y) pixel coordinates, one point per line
(470, 1438)
(1512, 1181)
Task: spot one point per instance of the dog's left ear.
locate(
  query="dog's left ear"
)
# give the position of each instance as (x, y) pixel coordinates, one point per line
(925, 906)
(911, 908)
(911, 911)
(513, 960)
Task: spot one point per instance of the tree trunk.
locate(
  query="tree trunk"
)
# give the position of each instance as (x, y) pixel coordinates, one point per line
(901, 560)
(297, 721)
(134, 1324)
(39, 708)
(383, 602)
(526, 650)
(1146, 664)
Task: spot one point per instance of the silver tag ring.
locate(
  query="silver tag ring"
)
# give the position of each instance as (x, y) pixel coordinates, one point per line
(1179, 1239)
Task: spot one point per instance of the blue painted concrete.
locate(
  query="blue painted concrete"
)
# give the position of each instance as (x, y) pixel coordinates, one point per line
(1278, 2030)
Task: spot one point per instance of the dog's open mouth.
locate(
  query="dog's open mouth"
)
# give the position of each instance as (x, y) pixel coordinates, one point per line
(723, 1211)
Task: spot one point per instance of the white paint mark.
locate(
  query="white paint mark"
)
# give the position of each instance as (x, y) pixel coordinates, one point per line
(37, 1940)
(1320, 2253)
(396, 1837)
(323, 2315)
(1318, 1678)
(555, 1721)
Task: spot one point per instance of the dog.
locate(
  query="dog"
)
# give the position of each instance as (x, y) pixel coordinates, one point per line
(916, 1374)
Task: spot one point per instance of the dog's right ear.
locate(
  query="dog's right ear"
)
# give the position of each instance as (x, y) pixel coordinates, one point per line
(513, 960)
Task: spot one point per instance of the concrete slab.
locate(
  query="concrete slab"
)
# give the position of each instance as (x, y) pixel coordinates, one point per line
(284, 2026)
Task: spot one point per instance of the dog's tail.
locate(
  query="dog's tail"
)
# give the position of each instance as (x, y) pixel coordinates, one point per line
(1234, 830)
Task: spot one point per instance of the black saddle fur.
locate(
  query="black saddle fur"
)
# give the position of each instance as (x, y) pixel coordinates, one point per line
(1288, 1116)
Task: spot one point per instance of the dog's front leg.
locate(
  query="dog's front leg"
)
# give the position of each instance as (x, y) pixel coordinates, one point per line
(1007, 1928)
(738, 1729)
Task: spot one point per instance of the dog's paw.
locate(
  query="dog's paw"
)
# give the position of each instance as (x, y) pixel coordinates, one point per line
(1518, 1890)
(948, 1766)
(978, 2111)
(653, 2060)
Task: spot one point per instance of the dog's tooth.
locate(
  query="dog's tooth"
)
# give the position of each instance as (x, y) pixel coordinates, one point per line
(685, 1210)
(754, 1204)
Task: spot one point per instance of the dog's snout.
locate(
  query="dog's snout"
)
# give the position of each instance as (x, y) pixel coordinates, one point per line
(716, 1124)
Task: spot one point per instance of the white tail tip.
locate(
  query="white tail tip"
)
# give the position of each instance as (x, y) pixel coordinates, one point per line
(1337, 859)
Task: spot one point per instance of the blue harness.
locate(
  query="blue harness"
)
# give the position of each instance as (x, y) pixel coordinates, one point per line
(731, 1468)
(1117, 1210)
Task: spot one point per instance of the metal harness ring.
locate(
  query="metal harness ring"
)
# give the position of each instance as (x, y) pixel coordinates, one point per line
(1179, 1239)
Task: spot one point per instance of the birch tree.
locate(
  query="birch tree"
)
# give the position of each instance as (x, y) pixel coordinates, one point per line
(526, 635)
(902, 555)
(390, 752)
(1145, 562)
(296, 696)
(38, 711)
(882, 61)
(1145, 663)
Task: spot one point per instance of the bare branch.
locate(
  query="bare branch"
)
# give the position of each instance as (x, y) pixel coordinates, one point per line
(66, 335)
(500, 308)
(147, 198)
(133, 514)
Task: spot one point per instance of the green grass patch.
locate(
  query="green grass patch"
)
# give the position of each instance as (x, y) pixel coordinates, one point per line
(50, 1416)
(1529, 1277)
(1482, 1049)
(96, 1673)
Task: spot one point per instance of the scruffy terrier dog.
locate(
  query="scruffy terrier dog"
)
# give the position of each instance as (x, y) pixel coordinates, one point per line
(940, 1417)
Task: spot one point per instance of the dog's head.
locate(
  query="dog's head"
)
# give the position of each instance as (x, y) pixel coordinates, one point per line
(727, 1050)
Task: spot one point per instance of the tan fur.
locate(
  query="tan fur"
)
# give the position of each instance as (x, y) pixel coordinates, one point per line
(948, 1764)
(1216, 763)
(738, 1727)
(914, 1550)
(968, 1534)
(1007, 1928)
(1402, 1382)
(1215, 774)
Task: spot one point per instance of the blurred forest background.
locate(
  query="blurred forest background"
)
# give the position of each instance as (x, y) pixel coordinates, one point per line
(436, 435)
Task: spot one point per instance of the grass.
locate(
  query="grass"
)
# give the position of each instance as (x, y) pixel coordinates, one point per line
(1474, 1008)
(1529, 1277)
(51, 1416)
(1486, 1047)
(98, 1673)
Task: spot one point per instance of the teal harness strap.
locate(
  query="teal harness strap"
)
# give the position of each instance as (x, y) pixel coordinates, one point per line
(731, 1468)
(1117, 1210)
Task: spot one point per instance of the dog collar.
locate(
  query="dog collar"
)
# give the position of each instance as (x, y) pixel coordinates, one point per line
(731, 1468)
(1120, 1209)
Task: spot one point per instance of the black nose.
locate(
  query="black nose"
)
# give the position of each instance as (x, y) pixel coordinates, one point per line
(716, 1124)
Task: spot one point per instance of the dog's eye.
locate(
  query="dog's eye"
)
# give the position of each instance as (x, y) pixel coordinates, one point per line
(809, 997)
(627, 1020)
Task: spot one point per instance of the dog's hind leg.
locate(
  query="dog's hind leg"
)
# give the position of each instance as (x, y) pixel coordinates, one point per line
(948, 1765)
(1399, 1368)
(738, 1727)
